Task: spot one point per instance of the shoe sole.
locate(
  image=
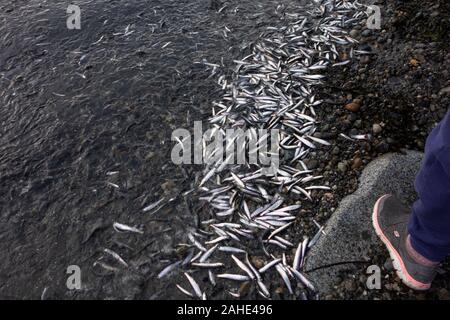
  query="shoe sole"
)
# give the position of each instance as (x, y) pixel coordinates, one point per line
(397, 261)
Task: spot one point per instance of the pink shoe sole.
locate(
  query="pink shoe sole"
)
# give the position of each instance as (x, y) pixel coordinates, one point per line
(397, 261)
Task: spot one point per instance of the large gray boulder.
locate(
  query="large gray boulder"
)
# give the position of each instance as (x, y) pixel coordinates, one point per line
(349, 232)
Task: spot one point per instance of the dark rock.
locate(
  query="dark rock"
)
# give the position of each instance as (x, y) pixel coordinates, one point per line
(382, 147)
(342, 167)
(443, 294)
(343, 241)
(388, 265)
(376, 128)
(357, 163)
(350, 285)
(311, 163)
(366, 32)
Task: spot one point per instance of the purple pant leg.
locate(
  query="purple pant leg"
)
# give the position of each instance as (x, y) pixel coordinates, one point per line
(429, 225)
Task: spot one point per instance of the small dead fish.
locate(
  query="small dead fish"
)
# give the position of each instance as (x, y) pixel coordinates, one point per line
(269, 265)
(196, 243)
(212, 278)
(235, 277)
(116, 256)
(316, 237)
(217, 240)
(168, 269)
(208, 176)
(113, 185)
(297, 256)
(184, 291)
(119, 227)
(198, 255)
(44, 293)
(362, 137)
(285, 277)
(304, 248)
(188, 258)
(243, 267)
(303, 279)
(346, 137)
(208, 264)
(277, 243)
(318, 188)
(276, 231)
(343, 63)
(284, 241)
(321, 141)
(231, 249)
(153, 205)
(208, 253)
(105, 266)
(238, 181)
(255, 272)
(263, 289)
(194, 285)
(235, 295)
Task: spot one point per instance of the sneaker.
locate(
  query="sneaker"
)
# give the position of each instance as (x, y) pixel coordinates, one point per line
(390, 220)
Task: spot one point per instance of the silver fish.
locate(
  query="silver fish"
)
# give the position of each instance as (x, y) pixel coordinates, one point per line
(168, 269)
(194, 285)
(119, 227)
(235, 277)
(116, 256)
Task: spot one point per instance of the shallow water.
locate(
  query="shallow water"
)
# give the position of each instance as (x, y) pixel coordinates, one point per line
(76, 104)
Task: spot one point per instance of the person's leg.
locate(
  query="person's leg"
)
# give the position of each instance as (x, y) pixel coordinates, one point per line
(429, 225)
(418, 240)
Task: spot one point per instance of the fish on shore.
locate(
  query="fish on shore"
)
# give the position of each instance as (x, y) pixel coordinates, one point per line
(276, 85)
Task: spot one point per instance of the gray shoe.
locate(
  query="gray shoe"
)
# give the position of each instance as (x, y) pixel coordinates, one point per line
(390, 220)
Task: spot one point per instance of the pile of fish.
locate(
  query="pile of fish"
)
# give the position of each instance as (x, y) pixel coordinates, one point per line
(275, 86)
